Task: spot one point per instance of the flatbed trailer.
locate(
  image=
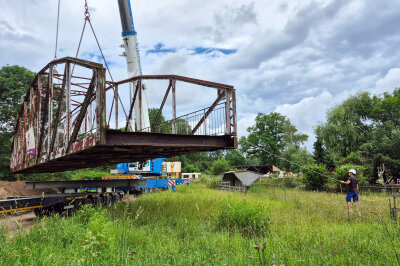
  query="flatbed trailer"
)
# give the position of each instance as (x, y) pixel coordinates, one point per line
(70, 195)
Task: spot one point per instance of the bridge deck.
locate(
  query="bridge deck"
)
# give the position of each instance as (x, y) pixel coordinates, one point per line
(132, 146)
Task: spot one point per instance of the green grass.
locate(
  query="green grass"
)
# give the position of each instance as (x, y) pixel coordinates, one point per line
(198, 225)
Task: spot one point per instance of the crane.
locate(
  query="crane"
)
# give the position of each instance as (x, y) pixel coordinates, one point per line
(129, 37)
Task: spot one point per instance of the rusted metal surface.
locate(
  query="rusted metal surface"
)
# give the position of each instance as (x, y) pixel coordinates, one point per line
(63, 123)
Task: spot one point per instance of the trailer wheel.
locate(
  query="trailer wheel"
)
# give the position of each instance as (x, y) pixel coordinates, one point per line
(87, 201)
(41, 212)
(117, 198)
(38, 212)
(99, 201)
(109, 201)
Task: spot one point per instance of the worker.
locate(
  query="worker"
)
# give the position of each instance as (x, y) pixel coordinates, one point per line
(352, 190)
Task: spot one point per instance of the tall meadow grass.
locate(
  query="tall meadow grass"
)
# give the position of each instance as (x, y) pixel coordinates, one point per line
(197, 225)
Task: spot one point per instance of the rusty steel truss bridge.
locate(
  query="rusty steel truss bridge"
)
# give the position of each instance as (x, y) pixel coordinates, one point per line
(70, 121)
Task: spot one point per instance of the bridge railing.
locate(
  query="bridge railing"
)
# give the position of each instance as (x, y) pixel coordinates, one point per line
(218, 118)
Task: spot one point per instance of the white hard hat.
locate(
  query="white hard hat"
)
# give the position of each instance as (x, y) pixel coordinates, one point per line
(352, 171)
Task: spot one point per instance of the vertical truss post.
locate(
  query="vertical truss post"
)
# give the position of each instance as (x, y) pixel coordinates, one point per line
(173, 106)
(31, 107)
(67, 78)
(58, 114)
(234, 125)
(50, 122)
(116, 105)
(38, 113)
(24, 133)
(101, 106)
(227, 112)
(140, 104)
(42, 125)
(205, 123)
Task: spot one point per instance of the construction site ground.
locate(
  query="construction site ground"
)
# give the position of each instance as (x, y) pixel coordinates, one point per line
(17, 188)
(21, 219)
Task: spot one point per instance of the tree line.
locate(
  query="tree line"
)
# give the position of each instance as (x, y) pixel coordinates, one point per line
(363, 132)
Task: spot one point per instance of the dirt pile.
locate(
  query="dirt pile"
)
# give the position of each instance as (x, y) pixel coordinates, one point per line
(8, 189)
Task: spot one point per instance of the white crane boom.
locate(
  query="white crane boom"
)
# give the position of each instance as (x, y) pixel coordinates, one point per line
(129, 37)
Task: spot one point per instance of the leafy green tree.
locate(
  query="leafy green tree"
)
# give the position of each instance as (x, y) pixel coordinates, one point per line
(295, 158)
(219, 166)
(14, 83)
(235, 158)
(364, 130)
(190, 168)
(346, 128)
(271, 134)
(153, 114)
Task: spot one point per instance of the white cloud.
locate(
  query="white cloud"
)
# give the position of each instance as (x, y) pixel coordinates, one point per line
(306, 113)
(243, 123)
(389, 82)
(301, 57)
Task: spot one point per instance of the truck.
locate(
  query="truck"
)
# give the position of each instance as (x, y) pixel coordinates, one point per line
(156, 172)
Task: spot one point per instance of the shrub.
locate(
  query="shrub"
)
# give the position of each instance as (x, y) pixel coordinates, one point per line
(88, 174)
(315, 176)
(248, 218)
(219, 166)
(190, 168)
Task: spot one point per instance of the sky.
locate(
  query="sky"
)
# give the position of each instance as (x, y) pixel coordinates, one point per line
(299, 58)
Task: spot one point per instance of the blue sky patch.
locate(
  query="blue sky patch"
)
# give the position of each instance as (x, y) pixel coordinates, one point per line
(89, 56)
(209, 50)
(159, 48)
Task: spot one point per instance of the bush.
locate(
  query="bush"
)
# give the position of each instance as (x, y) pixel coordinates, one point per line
(190, 168)
(315, 176)
(342, 174)
(248, 218)
(88, 174)
(219, 166)
(279, 182)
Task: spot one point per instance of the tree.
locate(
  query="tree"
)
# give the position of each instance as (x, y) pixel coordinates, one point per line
(235, 158)
(14, 83)
(321, 155)
(364, 130)
(347, 125)
(219, 166)
(271, 134)
(295, 157)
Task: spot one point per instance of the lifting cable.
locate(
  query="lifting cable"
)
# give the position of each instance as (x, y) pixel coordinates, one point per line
(87, 19)
(284, 159)
(58, 20)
